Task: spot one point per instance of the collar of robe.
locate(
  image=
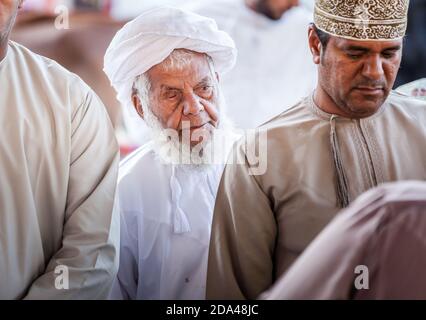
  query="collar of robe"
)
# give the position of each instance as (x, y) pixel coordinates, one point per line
(341, 180)
(180, 220)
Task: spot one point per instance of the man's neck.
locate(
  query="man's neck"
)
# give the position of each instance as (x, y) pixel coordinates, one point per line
(326, 103)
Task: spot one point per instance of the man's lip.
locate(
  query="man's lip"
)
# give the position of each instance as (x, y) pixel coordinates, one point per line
(371, 90)
(198, 127)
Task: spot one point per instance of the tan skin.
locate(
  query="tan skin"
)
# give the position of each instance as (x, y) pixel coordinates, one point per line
(273, 9)
(354, 77)
(183, 95)
(8, 11)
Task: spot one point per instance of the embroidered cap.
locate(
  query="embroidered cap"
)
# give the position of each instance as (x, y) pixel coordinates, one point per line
(378, 20)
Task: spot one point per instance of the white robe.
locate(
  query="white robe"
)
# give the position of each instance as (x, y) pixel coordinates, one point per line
(166, 214)
(58, 162)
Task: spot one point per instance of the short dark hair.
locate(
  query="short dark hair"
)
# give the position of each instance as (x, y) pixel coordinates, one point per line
(324, 37)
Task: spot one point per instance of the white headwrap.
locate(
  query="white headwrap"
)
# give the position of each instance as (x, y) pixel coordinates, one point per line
(150, 38)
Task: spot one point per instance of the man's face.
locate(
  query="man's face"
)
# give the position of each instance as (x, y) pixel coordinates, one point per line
(274, 9)
(187, 96)
(359, 75)
(8, 11)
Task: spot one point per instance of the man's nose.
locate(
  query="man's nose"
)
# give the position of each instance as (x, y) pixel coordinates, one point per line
(192, 105)
(373, 68)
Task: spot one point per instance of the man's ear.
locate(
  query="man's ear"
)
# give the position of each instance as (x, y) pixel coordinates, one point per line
(314, 45)
(138, 105)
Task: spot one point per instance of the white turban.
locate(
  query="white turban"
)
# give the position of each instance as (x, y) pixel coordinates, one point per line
(150, 38)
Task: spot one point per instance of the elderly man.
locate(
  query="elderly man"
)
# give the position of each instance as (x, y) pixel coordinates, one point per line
(165, 65)
(273, 70)
(379, 245)
(59, 163)
(350, 135)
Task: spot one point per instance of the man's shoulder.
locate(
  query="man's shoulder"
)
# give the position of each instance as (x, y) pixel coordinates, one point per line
(282, 131)
(296, 115)
(411, 193)
(283, 128)
(46, 70)
(408, 104)
(39, 62)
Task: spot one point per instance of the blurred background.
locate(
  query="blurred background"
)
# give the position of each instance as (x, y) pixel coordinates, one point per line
(93, 23)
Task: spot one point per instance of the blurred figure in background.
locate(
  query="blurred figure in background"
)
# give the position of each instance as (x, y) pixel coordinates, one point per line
(79, 48)
(50, 6)
(129, 9)
(413, 64)
(416, 89)
(274, 68)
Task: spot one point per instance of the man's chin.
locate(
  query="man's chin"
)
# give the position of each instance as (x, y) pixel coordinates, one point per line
(197, 135)
(178, 153)
(364, 110)
(365, 106)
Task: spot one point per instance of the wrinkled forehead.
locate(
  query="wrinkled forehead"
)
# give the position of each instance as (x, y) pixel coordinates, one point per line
(177, 69)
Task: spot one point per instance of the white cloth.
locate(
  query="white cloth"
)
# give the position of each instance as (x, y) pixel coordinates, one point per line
(166, 214)
(130, 9)
(59, 163)
(150, 38)
(274, 69)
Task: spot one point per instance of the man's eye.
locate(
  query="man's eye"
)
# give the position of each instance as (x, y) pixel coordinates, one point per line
(354, 56)
(205, 90)
(171, 95)
(388, 55)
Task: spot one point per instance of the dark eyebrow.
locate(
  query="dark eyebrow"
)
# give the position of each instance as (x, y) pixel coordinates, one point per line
(394, 48)
(356, 48)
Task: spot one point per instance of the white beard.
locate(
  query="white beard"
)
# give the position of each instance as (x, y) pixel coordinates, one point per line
(172, 150)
